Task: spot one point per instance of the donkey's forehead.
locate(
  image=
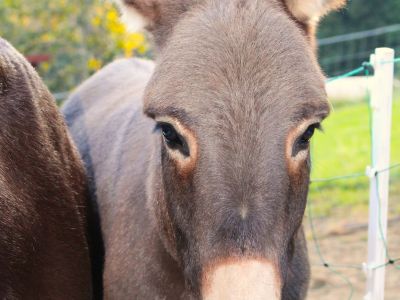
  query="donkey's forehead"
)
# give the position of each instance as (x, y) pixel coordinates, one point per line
(224, 53)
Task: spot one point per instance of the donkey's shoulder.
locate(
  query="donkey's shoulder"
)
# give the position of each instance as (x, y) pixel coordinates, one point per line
(116, 78)
(120, 73)
(42, 191)
(120, 83)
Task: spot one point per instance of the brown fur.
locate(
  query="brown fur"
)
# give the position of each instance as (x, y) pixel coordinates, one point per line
(240, 75)
(43, 224)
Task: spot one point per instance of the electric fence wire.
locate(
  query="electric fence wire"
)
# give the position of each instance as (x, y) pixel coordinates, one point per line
(365, 68)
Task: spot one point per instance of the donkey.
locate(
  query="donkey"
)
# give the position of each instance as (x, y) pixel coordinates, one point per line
(44, 239)
(203, 194)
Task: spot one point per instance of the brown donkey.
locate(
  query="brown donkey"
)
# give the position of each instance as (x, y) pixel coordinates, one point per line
(43, 229)
(205, 198)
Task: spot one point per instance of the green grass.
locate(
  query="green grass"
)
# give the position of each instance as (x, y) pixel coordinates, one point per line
(344, 148)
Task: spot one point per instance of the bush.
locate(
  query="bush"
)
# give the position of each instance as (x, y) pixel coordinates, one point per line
(80, 36)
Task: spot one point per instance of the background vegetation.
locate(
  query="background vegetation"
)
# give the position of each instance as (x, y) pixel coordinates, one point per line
(79, 35)
(359, 15)
(343, 148)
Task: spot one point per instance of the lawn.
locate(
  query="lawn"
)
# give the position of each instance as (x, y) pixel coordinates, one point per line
(344, 148)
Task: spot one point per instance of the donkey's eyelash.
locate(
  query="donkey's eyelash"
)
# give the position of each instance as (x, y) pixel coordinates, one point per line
(319, 127)
(158, 126)
(303, 141)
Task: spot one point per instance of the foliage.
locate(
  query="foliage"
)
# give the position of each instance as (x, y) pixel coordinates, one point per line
(358, 15)
(80, 35)
(344, 148)
(361, 15)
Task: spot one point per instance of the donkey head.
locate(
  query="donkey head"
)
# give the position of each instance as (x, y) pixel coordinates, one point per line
(236, 96)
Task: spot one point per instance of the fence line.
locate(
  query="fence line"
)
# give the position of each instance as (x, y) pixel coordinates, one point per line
(367, 69)
(358, 35)
(343, 52)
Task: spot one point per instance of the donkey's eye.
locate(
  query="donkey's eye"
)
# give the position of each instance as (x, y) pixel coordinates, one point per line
(302, 142)
(305, 138)
(307, 135)
(172, 138)
(169, 133)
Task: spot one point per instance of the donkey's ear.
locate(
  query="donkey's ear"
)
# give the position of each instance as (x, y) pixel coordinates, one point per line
(158, 16)
(310, 11)
(137, 14)
(152, 13)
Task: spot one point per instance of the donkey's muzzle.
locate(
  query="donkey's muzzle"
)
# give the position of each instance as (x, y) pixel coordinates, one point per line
(241, 279)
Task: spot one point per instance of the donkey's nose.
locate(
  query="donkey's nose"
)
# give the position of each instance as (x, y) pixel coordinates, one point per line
(241, 279)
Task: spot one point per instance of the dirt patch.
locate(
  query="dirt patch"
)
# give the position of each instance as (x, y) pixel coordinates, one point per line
(344, 244)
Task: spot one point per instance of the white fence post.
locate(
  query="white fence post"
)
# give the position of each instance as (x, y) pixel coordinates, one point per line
(381, 103)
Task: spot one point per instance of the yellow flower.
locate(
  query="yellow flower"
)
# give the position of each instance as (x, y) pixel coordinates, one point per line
(136, 39)
(45, 66)
(116, 28)
(94, 64)
(47, 37)
(112, 15)
(132, 42)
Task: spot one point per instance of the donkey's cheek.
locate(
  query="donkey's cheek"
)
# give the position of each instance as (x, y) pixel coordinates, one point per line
(298, 168)
(241, 279)
(184, 168)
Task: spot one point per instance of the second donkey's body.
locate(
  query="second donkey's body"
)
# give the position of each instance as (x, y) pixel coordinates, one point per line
(44, 230)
